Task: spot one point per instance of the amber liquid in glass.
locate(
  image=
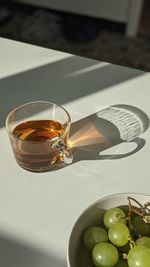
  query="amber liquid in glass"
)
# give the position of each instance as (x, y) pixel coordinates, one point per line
(32, 144)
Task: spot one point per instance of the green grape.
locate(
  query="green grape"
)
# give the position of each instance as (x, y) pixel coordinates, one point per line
(105, 255)
(143, 241)
(142, 227)
(114, 215)
(139, 256)
(122, 263)
(94, 235)
(119, 234)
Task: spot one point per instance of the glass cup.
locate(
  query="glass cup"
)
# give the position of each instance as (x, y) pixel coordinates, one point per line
(38, 133)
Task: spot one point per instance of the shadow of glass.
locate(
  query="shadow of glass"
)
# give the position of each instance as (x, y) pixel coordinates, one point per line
(108, 128)
(60, 82)
(16, 254)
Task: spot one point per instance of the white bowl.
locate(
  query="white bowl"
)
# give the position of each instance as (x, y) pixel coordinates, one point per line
(77, 255)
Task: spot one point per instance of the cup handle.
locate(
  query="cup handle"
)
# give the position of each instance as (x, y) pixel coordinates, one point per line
(65, 152)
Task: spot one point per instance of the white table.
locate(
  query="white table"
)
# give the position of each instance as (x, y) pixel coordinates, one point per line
(37, 211)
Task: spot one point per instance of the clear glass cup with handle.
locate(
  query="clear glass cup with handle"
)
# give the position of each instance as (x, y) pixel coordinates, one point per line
(38, 133)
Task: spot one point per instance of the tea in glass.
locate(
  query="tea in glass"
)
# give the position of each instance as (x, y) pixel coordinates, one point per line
(39, 133)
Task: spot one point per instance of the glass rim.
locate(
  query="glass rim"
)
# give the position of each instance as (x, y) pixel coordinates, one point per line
(33, 102)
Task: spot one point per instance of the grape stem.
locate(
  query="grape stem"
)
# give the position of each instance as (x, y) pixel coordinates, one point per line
(132, 243)
(144, 211)
(124, 256)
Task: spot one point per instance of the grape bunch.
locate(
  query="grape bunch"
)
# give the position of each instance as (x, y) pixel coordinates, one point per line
(124, 238)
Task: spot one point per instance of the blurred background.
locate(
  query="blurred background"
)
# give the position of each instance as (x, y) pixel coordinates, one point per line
(115, 31)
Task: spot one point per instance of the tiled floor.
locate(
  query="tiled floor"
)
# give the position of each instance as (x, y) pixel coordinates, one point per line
(87, 37)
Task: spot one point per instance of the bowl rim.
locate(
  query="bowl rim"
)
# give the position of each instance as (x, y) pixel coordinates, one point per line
(93, 204)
